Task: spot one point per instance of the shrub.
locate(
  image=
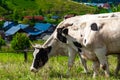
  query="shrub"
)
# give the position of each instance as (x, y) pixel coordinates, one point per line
(20, 42)
(2, 42)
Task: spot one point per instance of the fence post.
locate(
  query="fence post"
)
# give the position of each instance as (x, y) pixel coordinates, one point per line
(25, 56)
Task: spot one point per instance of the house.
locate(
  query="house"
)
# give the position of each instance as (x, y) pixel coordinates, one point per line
(45, 28)
(28, 17)
(36, 18)
(42, 26)
(7, 25)
(14, 29)
(32, 32)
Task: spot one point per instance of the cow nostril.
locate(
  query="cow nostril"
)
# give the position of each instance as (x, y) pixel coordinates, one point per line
(32, 70)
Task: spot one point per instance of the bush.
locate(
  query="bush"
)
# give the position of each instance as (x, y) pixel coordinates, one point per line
(2, 42)
(20, 42)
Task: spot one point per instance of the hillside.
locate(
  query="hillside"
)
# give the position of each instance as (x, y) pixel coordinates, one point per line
(42, 7)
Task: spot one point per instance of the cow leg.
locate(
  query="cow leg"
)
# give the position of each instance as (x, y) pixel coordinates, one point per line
(83, 61)
(118, 65)
(101, 55)
(71, 59)
(96, 66)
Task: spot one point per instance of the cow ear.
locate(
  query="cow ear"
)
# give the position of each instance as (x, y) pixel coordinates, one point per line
(65, 31)
(94, 27)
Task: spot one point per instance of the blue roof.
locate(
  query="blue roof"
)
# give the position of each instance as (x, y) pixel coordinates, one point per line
(55, 17)
(32, 31)
(7, 23)
(14, 29)
(22, 26)
(42, 26)
(35, 33)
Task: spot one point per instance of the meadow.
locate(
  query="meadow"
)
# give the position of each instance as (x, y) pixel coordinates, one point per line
(13, 67)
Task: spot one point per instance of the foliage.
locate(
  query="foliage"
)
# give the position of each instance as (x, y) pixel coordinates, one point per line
(101, 10)
(20, 42)
(25, 21)
(115, 8)
(2, 42)
(1, 24)
(2, 11)
(20, 8)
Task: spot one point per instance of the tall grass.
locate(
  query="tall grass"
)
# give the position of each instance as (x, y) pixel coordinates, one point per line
(13, 67)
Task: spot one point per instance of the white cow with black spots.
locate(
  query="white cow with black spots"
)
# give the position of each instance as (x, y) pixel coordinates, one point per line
(101, 38)
(53, 46)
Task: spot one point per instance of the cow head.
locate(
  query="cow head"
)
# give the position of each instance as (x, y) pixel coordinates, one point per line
(40, 57)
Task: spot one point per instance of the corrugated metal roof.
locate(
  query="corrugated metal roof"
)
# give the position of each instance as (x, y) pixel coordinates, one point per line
(12, 30)
(42, 26)
(22, 26)
(32, 31)
(15, 29)
(35, 33)
(7, 23)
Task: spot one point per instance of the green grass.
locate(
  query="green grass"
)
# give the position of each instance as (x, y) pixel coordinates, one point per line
(13, 67)
(25, 4)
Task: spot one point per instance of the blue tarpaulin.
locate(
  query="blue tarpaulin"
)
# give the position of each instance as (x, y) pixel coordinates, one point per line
(15, 29)
(42, 26)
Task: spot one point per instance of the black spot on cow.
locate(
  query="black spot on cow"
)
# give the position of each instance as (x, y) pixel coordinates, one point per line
(65, 31)
(81, 35)
(41, 57)
(94, 27)
(60, 36)
(77, 44)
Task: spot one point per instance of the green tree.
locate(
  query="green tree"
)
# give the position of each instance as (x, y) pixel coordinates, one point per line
(15, 15)
(2, 42)
(20, 42)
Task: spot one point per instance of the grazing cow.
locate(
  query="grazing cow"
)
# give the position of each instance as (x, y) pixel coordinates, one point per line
(42, 53)
(101, 38)
(50, 48)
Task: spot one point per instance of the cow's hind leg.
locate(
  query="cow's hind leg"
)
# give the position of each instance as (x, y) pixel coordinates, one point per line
(118, 65)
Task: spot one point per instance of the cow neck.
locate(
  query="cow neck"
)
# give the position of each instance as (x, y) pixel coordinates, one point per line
(47, 43)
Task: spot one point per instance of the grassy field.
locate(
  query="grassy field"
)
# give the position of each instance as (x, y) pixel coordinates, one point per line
(13, 67)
